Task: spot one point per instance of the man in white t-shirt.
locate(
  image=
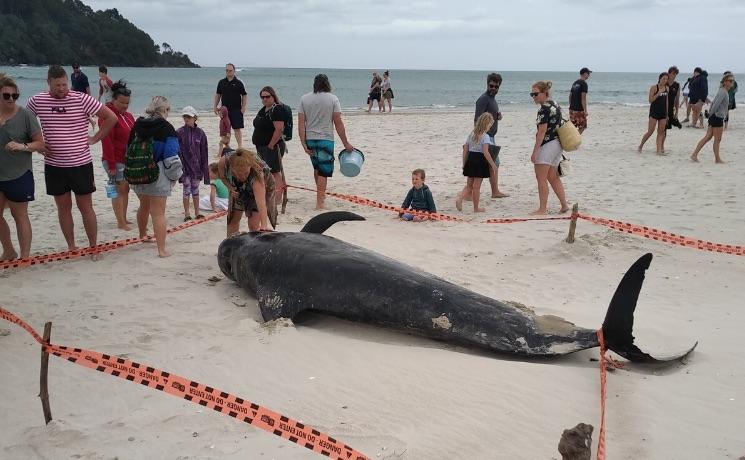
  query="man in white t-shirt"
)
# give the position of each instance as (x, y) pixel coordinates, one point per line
(68, 164)
(318, 115)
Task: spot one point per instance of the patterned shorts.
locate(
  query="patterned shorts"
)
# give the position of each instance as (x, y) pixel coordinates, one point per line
(579, 119)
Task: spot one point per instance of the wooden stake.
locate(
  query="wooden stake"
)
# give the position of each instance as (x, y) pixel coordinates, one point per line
(573, 223)
(44, 390)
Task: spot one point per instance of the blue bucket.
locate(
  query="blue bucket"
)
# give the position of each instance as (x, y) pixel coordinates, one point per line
(350, 162)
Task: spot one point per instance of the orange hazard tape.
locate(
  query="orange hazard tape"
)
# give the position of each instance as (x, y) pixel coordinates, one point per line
(604, 362)
(98, 249)
(667, 237)
(197, 393)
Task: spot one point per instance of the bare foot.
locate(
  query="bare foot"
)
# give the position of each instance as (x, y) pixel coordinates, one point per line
(539, 212)
(164, 254)
(96, 257)
(720, 162)
(500, 195)
(72, 248)
(479, 210)
(694, 158)
(10, 255)
(564, 210)
(124, 227)
(459, 203)
(320, 208)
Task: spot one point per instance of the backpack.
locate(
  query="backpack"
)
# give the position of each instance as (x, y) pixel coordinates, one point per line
(287, 118)
(139, 165)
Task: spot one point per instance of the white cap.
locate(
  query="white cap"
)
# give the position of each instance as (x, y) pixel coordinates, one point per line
(190, 111)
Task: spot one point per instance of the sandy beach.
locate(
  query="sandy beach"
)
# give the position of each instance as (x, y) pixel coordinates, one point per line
(385, 393)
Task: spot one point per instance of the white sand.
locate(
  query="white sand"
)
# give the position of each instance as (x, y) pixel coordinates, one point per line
(384, 393)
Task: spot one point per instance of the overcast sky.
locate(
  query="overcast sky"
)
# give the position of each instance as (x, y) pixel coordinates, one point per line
(605, 35)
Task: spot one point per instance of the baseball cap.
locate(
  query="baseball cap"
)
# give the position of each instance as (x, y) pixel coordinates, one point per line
(189, 111)
(584, 70)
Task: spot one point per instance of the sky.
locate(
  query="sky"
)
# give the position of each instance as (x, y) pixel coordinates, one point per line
(560, 35)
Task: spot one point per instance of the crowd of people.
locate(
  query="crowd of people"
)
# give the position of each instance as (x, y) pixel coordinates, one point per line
(148, 155)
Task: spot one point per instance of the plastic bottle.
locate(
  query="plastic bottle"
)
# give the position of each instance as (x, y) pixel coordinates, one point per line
(111, 191)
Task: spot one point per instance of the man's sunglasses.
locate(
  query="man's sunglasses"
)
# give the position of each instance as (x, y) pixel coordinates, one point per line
(494, 86)
(534, 94)
(7, 96)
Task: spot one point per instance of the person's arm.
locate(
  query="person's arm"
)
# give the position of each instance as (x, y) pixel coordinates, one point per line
(339, 125)
(213, 195)
(259, 190)
(222, 174)
(214, 104)
(676, 103)
(301, 132)
(205, 159)
(481, 106)
(584, 102)
(279, 126)
(540, 133)
(487, 155)
(109, 121)
(465, 155)
(408, 199)
(36, 144)
(430, 201)
(244, 102)
(652, 93)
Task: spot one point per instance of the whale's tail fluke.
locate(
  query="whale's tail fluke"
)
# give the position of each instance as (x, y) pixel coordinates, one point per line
(322, 222)
(619, 320)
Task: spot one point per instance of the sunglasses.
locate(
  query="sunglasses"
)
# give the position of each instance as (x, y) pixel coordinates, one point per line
(534, 94)
(265, 97)
(494, 86)
(7, 96)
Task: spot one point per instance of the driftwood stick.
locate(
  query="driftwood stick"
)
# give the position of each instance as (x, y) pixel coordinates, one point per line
(573, 223)
(44, 390)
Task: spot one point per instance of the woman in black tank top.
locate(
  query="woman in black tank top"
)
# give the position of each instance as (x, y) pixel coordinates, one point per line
(658, 95)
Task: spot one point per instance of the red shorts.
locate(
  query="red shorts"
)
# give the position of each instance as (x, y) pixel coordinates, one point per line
(578, 119)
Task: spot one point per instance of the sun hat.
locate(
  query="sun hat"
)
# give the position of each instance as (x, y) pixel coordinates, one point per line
(189, 111)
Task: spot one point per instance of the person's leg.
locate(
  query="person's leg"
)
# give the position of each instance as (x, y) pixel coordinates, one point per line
(186, 184)
(558, 186)
(465, 194)
(650, 129)
(143, 213)
(476, 193)
(321, 190)
(717, 133)
(541, 176)
(238, 137)
(279, 186)
(661, 132)
(64, 215)
(123, 190)
(696, 114)
(9, 252)
(195, 202)
(688, 110)
(254, 221)
(234, 224)
(19, 211)
(158, 215)
(90, 222)
(707, 137)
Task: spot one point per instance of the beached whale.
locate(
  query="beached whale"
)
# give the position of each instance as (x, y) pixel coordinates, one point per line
(289, 273)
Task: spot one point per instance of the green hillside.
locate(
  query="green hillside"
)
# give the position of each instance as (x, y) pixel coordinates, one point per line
(40, 32)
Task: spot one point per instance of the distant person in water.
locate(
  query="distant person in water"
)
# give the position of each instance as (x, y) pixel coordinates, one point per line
(578, 100)
(319, 114)
(387, 92)
(375, 92)
(717, 114)
(658, 97)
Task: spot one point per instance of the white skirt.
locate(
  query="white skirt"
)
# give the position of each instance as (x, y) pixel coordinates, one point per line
(550, 154)
(221, 204)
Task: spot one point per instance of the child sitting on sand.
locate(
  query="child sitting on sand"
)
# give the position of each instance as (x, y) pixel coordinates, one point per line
(419, 198)
(218, 199)
(224, 131)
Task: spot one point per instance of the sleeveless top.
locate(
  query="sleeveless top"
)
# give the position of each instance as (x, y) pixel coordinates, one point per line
(658, 107)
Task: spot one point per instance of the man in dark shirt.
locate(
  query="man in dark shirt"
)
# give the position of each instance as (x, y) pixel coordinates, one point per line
(578, 100)
(79, 80)
(232, 95)
(487, 103)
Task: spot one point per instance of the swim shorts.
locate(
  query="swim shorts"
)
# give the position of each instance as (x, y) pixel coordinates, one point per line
(323, 156)
(20, 189)
(78, 179)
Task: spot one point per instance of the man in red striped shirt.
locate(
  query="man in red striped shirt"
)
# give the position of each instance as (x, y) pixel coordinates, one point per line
(68, 164)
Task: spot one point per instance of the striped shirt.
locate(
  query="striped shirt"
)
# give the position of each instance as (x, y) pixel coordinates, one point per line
(65, 126)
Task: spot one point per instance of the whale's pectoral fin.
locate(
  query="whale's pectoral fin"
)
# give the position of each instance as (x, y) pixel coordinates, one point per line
(322, 222)
(619, 320)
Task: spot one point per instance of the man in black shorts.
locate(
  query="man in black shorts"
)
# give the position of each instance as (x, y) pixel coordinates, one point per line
(231, 94)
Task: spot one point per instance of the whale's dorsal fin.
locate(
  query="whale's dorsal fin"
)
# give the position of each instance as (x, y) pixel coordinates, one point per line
(322, 222)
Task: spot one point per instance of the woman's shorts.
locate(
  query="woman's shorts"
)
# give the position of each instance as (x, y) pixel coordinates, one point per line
(476, 165)
(191, 186)
(388, 94)
(161, 187)
(716, 122)
(550, 154)
(20, 189)
(77, 179)
(270, 156)
(375, 96)
(118, 171)
(323, 156)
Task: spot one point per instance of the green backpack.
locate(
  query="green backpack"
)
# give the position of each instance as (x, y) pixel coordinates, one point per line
(139, 166)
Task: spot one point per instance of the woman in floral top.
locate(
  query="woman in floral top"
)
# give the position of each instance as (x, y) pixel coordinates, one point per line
(547, 150)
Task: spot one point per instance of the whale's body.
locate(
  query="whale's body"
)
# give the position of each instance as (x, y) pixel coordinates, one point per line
(289, 273)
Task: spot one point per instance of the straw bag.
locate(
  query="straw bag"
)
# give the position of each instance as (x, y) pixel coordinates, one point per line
(564, 166)
(569, 136)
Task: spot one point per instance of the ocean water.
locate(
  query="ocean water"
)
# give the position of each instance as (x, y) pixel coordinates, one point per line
(429, 90)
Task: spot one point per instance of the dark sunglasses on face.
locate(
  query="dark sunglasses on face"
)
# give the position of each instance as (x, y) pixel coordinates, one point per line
(494, 86)
(7, 96)
(265, 96)
(534, 94)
